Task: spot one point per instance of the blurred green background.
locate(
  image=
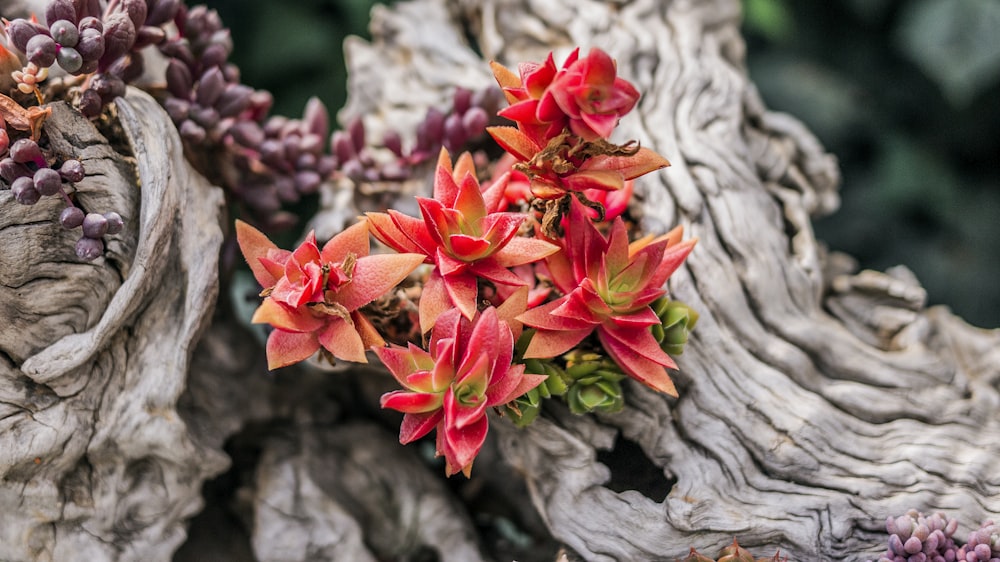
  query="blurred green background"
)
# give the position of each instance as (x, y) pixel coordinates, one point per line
(906, 93)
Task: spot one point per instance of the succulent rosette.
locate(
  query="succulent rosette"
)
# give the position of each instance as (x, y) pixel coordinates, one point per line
(465, 370)
(608, 285)
(463, 233)
(586, 95)
(563, 119)
(313, 295)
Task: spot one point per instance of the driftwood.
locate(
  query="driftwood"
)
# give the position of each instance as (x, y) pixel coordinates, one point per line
(95, 462)
(814, 400)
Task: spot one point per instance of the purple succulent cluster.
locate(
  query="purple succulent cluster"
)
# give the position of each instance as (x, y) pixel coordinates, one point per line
(27, 170)
(914, 537)
(81, 38)
(983, 544)
(463, 124)
(206, 97)
(264, 162)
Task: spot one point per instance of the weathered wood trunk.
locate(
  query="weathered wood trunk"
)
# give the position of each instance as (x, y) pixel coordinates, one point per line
(814, 401)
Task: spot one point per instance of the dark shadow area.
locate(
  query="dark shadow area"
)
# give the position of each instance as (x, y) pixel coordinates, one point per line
(631, 469)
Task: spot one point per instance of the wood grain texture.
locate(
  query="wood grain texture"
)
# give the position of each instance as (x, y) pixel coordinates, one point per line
(814, 400)
(95, 462)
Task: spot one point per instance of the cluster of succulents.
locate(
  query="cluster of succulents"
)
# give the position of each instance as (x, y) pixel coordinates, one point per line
(915, 537)
(264, 162)
(579, 299)
(31, 177)
(492, 258)
(983, 544)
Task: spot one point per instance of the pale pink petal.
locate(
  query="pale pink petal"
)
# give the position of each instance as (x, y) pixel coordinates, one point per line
(341, 339)
(375, 276)
(286, 348)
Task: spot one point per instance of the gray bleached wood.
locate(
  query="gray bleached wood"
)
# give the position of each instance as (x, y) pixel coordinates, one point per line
(96, 463)
(813, 401)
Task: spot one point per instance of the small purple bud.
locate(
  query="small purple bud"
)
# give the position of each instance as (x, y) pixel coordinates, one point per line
(912, 545)
(90, 104)
(393, 142)
(108, 86)
(136, 10)
(25, 151)
(119, 35)
(91, 45)
(71, 217)
(89, 249)
(115, 222)
(343, 148)
(207, 117)
(192, 132)
(147, 35)
(91, 22)
(177, 109)
(311, 143)
(24, 191)
(69, 59)
(274, 125)
(316, 118)
(462, 100)
(179, 49)
(933, 540)
(983, 551)
(58, 10)
(65, 33)
(234, 100)
(356, 128)
(41, 50)
(162, 12)
(291, 144)
(247, 134)
(20, 31)
(921, 531)
(951, 527)
(353, 169)
(454, 132)
(272, 153)
(179, 80)
(890, 525)
(306, 161)
(214, 55)
(307, 182)
(905, 526)
(896, 545)
(210, 87)
(47, 181)
(475, 121)
(430, 130)
(95, 225)
(326, 165)
(11, 170)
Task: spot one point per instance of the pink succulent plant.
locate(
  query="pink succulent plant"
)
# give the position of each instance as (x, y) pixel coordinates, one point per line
(312, 296)
(518, 191)
(608, 285)
(466, 370)
(464, 234)
(586, 95)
